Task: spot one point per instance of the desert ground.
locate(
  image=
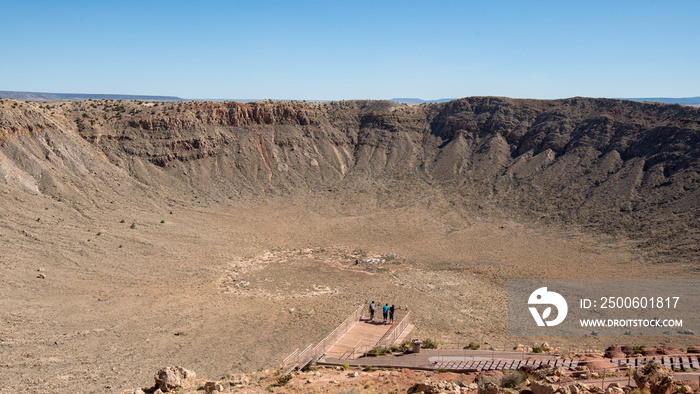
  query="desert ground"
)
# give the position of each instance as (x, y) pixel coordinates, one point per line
(117, 303)
(121, 254)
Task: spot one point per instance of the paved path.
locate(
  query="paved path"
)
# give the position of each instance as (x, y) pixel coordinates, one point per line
(484, 360)
(431, 359)
(364, 335)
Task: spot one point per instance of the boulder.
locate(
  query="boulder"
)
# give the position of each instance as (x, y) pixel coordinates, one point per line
(171, 378)
(614, 388)
(579, 388)
(628, 350)
(238, 380)
(595, 363)
(542, 388)
(489, 375)
(649, 351)
(668, 350)
(574, 388)
(614, 351)
(655, 377)
(528, 369)
(441, 387)
(492, 388)
(210, 387)
(580, 370)
(694, 349)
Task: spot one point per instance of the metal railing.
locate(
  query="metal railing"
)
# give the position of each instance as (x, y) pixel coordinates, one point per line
(395, 332)
(390, 337)
(361, 347)
(290, 360)
(313, 353)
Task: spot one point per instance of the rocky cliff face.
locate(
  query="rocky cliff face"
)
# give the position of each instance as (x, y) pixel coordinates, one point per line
(611, 165)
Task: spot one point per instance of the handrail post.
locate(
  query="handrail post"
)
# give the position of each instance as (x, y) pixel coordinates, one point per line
(602, 384)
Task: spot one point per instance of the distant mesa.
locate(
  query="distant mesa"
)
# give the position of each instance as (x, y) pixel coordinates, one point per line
(669, 100)
(694, 101)
(411, 100)
(39, 96)
(36, 96)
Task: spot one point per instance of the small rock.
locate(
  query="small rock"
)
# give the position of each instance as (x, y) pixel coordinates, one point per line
(41, 276)
(354, 374)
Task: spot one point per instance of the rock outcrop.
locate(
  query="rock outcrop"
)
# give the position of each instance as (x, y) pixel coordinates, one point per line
(611, 165)
(655, 377)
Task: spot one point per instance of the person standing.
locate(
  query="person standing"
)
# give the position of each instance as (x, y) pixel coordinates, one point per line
(391, 314)
(372, 307)
(385, 312)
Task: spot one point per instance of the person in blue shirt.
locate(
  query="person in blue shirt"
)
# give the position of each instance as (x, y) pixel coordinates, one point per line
(385, 311)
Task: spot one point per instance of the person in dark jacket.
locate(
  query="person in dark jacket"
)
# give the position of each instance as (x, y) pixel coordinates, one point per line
(391, 315)
(372, 307)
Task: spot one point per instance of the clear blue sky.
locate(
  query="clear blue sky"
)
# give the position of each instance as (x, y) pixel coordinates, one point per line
(352, 49)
